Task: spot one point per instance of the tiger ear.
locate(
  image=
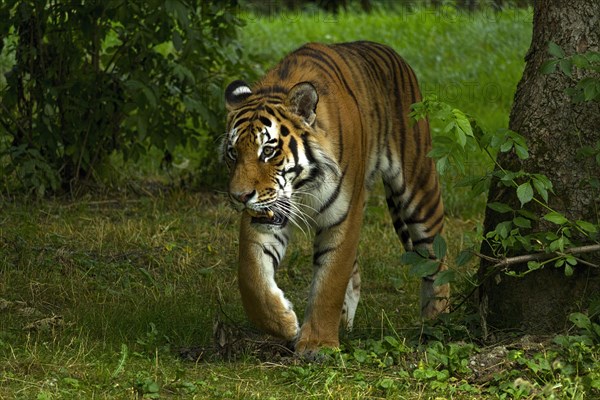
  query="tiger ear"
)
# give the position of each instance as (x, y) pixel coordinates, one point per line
(302, 100)
(236, 93)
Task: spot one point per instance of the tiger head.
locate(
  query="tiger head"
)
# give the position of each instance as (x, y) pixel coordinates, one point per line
(275, 152)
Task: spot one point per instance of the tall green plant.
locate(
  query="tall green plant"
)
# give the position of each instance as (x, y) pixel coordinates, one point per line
(96, 77)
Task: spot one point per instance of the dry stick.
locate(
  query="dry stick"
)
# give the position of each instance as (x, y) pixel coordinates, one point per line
(506, 262)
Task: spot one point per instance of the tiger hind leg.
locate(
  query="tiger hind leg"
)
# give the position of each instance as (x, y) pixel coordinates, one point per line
(434, 298)
(415, 232)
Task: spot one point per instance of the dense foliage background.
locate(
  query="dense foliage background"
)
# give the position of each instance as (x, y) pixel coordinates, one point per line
(88, 83)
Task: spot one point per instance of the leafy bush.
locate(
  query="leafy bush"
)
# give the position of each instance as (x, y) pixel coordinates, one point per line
(94, 78)
(460, 137)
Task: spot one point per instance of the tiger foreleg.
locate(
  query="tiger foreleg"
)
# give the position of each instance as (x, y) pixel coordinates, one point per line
(264, 302)
(335, 286)
(351, 299)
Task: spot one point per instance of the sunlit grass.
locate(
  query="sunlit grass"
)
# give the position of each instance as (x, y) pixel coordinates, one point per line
(471, 60)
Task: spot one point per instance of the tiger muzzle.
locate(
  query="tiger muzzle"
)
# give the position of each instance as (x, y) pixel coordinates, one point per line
(268, 217)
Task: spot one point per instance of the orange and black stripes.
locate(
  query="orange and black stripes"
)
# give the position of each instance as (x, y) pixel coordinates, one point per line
(306, 143)
(365, 90)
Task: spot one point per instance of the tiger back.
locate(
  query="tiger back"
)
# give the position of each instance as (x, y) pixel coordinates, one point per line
(304, 146)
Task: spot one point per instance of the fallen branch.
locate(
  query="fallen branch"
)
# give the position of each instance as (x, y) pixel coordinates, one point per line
(501, 263)
(506, 262)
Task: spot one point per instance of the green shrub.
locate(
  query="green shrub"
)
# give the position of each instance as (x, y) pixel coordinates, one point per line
(95, 78)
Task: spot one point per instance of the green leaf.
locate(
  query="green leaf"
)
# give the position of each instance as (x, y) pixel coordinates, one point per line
(142, 126)
(555, 50)
(525, 193)
(461, 138)
(386, 383)
(500, 207)
(548, 67)
(522, 222)
(533, 265)
(587, 226)
(441, 165)
(540, 187)
(528, 214)
(586, 151)
(591, 90)
(462, 122)
(503, 229)
(557, 245)
(506, 146)
(410, 258)
(439, 247)
(522, 152)
(568, 270)
(177, 41)
(360, 355)
(556, 218)
(444, 277)
(136, 85)
(580, 320)
(566, 67)
(464, 257)
(152, 387)
(426, 268)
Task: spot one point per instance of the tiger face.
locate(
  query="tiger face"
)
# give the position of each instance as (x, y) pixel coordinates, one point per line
(272, 151)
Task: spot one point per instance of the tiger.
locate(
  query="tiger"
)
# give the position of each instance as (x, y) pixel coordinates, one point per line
(305, 145)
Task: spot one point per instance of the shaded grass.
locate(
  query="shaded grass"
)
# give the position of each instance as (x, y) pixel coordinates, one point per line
(135, 279)
(106, 252)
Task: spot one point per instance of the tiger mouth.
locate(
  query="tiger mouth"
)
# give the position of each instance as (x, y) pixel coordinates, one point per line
(267, 218)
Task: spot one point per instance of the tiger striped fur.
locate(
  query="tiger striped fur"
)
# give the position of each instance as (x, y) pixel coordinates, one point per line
(305, 145)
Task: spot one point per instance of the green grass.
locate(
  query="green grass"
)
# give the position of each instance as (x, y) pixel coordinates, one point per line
(125, 283)
(135, 279)
(471, 60)
(129, 282)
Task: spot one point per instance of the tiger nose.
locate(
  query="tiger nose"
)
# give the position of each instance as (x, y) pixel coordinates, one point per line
(243, 197)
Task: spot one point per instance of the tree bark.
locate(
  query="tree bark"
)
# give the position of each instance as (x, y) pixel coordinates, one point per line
(555, 128)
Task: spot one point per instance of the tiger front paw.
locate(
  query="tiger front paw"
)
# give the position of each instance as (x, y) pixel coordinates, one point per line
(310, 343)
(312, 351)
(283, 325)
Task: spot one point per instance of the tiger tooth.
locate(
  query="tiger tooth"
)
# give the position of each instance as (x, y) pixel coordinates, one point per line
(270, 214)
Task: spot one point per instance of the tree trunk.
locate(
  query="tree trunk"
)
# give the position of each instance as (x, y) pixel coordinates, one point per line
(555, 128)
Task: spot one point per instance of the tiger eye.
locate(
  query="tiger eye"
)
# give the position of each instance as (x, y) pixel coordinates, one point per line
(232, 152)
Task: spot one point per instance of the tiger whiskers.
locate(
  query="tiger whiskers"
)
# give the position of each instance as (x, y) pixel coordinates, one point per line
(300, 195)
(292, 211)
(298, 215)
